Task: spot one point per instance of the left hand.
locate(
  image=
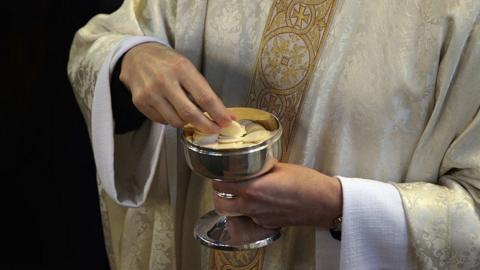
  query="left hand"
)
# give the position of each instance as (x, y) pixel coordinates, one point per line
(287, 195)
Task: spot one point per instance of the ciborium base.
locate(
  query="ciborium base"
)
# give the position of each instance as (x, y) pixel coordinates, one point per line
(232, 233)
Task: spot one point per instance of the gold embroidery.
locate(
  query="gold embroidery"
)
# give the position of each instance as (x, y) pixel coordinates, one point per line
(237, 260)
(289, 50)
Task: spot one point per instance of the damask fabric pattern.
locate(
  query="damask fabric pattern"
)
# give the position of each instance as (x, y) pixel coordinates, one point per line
(289, 50)
(445, 224)
(444, 216)
(139, 238)
(238, 260)
(394, 97)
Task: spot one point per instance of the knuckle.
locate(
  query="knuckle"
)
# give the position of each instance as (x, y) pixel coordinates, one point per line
(180, 64)
(139, 100)
(123, 77)
(148, 92)
(187, 114)
(176, 123)
(206, 100)
(224, 118)
(161, 80)
(251, 193)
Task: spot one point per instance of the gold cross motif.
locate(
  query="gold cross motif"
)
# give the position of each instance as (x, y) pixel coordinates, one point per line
(301, 16)
(283, 100)
(279, 87)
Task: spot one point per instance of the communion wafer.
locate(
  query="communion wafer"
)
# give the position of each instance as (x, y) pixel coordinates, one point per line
(253, 127)
(256, 136)
(222, 139)
(200, 138)
(244, 133)
(233, 130)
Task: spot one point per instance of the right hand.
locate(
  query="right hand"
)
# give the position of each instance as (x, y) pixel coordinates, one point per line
(159, 79)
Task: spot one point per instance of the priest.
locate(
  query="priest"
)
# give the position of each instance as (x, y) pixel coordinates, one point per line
(379, 102)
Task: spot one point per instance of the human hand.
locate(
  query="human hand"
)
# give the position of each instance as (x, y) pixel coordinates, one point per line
(287, 195)
(159, 79)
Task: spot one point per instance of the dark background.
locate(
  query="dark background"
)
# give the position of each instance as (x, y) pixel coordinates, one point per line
(50, 217)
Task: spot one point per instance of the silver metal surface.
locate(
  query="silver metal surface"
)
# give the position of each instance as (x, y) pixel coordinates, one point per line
(224, 195)
(234, 165)
(232, 233)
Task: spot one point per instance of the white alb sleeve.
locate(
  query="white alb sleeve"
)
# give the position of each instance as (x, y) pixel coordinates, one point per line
(127, 182)
(374, 230)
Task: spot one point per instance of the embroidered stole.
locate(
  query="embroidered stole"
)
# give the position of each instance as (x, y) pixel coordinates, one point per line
(290, 47)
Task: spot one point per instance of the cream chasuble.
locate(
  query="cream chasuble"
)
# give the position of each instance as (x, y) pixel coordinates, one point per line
(383, 90)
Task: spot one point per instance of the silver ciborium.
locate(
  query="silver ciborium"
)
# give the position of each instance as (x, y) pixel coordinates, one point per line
(233, 165)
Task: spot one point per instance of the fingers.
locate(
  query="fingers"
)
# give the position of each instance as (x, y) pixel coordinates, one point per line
(149, 111)
(247, 203)
(232, 188)
(187, 111)
(160, 80)
(233, 116)
(193, 82)
(168, 113)
(228, 207)
(150, 107)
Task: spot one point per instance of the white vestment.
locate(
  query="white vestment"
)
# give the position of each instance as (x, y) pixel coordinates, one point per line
(394, 97)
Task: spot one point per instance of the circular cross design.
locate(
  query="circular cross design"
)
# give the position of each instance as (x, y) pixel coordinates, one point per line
(285, 58)
(300, 16)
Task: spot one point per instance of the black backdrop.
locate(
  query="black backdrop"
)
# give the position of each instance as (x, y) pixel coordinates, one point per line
(49, 214)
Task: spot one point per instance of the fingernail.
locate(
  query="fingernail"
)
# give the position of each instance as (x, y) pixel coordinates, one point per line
(226, 122)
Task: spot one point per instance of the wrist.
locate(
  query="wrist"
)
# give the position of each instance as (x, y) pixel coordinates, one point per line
(337, 199)
(336, 224)
(329, 196)
(134, 58)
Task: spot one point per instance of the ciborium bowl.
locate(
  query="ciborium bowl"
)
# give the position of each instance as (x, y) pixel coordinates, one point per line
(233, 165)
(237, 164)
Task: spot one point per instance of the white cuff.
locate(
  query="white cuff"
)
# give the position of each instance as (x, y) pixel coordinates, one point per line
(103, 133)
(374, 230)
